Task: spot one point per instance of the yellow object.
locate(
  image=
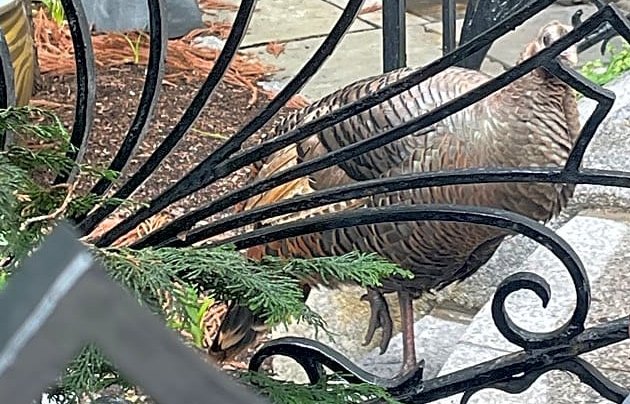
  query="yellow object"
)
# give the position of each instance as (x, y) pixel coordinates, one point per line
(17, 31)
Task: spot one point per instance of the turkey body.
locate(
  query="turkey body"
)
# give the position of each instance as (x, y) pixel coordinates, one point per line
(504, 130)
(531, 122)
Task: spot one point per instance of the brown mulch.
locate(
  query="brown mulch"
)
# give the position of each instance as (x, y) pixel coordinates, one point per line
(120, 78)
(118, 92)
(185, 59)
(217, 5)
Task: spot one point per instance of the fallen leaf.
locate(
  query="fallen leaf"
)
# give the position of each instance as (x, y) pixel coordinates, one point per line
(370, 9)
(275, 48)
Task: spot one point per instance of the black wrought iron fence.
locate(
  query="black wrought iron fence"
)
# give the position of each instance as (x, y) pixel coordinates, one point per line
(540, 352)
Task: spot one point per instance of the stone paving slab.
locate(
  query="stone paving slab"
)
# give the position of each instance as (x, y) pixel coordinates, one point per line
(611, 300)
(594, 239)
(282, 21)
(376, 17)
(435, 350)
(609, 149)
(358, 55)
(602, 245)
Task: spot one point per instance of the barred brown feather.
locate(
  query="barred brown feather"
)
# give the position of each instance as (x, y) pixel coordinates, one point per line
(531, 122)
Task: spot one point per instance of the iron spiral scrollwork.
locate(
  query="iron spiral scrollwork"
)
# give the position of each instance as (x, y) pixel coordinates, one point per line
(513, 373)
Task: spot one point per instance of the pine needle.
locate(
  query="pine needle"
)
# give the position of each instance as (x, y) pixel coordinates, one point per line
(329, 390)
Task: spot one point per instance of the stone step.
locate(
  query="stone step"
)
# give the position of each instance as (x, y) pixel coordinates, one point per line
(603, 246)
(434, 350)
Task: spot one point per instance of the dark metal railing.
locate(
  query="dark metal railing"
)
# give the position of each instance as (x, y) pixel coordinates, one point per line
(394, 35)
(484, 23)
(63, 284)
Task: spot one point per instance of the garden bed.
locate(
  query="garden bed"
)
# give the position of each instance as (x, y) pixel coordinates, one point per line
(119, 87)
(117, 98)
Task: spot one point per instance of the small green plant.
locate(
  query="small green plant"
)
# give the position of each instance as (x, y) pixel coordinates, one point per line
(3, 279)
(602, 73)
(135, 46)
(194, 310)
(55, 9)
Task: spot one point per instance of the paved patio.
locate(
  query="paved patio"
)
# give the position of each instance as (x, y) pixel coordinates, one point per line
(303, 24)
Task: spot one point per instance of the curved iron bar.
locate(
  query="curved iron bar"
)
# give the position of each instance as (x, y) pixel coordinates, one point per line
(235, 142)
(604, 34)
(509, 366)
(322, 355)
(605, 100)
(202, 175)
(422, 122)
(301, 78)
(535, 283)
(495, 373)
(86, 84)
(392, 184)
(241, 22)
(469, 214)
(587, 373)
(148, 99)
(541, 349)
(7, 85)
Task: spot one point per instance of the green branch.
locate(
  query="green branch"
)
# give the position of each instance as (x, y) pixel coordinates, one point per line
(323, 392)
(270, 288)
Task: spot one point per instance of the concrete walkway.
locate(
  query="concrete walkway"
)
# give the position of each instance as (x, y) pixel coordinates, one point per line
(301, 25)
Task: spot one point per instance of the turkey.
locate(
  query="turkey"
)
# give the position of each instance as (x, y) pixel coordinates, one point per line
(531, 122)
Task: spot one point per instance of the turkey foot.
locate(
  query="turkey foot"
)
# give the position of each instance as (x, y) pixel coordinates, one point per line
(379, 317)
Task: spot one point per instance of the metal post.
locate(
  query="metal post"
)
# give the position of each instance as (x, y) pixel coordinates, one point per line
(448, 26)
(394, 34)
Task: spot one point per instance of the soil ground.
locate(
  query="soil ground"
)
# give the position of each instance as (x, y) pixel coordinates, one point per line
(117, 97)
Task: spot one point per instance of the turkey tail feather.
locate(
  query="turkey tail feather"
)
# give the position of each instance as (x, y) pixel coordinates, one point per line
(238, 330)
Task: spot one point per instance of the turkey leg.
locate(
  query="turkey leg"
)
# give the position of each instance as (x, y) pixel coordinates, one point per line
(379, 317)
(408, 335)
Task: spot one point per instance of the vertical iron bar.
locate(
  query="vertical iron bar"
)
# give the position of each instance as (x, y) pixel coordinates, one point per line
(448, 26)
(7, 86)
(150, 94)
(394, 35)
(86, 85)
